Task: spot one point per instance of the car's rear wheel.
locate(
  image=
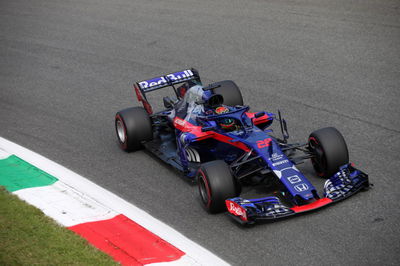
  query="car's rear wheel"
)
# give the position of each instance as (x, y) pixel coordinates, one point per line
(133, 126)
(216, 184)
(230, 91)
(329, 149)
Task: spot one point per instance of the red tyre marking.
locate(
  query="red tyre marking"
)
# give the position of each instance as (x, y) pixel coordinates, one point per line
(127, 241)
(312, 138)
(203, 176)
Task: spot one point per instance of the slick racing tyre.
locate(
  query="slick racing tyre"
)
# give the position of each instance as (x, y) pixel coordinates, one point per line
(133, 126)
(329, 149)
(230, 92)
(216, 184)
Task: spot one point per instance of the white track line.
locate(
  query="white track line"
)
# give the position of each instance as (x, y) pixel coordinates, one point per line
(195, 254)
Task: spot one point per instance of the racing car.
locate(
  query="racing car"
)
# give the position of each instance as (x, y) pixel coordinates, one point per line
(208, 134)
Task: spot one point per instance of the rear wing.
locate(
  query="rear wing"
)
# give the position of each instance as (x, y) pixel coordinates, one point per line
(145, 86)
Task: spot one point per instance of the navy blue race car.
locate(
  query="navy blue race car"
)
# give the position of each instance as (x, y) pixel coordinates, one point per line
(211, 137)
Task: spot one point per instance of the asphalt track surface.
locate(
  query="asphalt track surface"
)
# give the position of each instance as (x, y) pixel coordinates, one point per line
(67, 66)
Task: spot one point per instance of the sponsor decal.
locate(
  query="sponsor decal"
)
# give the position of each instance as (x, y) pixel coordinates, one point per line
(236, 210)
(301, 187)
(179, 121)
(294, 179)
(279, 163)
(177, 76)
(276, 157)
(153, 82)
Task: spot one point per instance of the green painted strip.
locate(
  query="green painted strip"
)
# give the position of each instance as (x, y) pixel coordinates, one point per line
(16, 174)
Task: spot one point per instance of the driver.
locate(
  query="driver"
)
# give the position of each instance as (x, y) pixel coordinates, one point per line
(227, 124)
(197, 102)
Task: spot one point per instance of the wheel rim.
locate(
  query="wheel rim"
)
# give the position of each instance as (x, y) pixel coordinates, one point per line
(121, 131)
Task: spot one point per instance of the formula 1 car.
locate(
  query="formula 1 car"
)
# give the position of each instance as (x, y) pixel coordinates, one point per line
(211, 137)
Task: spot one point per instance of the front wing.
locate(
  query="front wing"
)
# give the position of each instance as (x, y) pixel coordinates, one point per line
(342, 185)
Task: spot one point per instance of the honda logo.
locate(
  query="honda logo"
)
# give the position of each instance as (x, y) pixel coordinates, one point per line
(301, 187)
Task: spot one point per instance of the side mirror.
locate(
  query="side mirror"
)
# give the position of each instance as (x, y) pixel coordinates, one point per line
(205, 129)
(168, 102)
(259, 114)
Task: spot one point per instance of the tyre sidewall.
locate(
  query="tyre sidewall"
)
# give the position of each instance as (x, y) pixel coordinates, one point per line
(219, 183)
(137, 127)
(334, 149)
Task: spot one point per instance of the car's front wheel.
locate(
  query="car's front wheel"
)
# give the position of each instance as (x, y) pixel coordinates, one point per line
(329, 149)
(216, 184)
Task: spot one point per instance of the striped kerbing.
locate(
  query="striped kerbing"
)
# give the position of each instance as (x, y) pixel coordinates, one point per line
(91, 212)
(115, 234)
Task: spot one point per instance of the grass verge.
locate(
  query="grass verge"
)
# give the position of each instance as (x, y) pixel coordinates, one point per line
(28, 237)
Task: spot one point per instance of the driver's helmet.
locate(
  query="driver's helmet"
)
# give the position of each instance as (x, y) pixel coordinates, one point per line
(226, 123)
